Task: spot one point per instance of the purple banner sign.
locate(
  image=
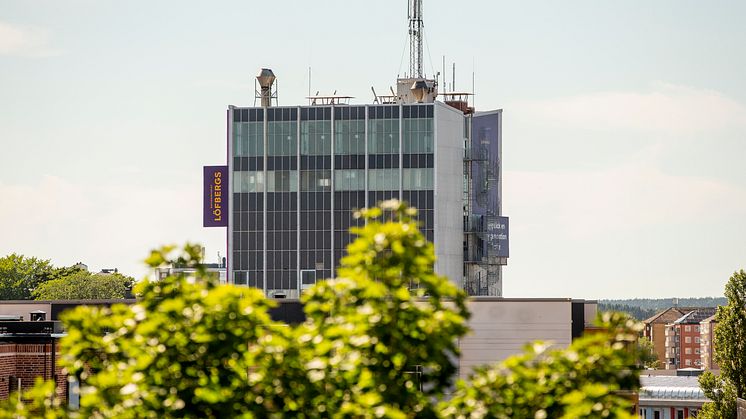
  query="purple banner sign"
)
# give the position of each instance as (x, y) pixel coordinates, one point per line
(485, 148)
(498, 237)
(215, 196)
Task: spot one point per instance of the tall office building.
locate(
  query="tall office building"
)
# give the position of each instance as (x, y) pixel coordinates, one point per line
(297, 173)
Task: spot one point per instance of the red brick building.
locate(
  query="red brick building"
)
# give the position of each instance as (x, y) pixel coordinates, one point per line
(683, 339)
(24, 362)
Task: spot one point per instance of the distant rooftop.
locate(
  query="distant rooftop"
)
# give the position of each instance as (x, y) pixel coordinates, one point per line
(663, 387)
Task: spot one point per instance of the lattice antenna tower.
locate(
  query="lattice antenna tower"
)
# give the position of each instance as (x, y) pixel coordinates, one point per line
(415, 38)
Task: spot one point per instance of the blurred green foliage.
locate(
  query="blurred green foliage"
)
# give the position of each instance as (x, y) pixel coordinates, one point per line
(380, 340)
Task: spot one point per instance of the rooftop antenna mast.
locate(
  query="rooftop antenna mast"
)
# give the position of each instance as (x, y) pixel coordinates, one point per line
(415, 38)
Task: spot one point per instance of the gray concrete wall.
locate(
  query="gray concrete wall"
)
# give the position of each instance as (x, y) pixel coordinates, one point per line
(449, 169)
(25, 308)
(502, 327)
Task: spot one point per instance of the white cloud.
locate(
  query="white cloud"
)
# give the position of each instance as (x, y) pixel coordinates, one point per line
(25, 41)
(104, 227)
(583, 204)
(665, 108)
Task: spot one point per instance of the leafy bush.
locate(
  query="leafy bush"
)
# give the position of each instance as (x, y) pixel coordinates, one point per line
(380, 340)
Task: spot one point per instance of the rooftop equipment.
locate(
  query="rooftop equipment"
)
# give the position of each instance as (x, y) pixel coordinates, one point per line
(265, 79)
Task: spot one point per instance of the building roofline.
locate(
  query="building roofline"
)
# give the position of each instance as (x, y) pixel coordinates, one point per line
(104, 301)
(662, 312)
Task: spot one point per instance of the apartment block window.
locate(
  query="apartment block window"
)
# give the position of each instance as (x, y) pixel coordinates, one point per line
(696, 328)
(688, 362)
(697, 351)
(696, 339)
(688, 351)
(688, 339)
(687, 328)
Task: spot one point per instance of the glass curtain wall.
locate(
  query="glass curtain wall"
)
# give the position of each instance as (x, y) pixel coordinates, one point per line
(383, 153)
(315, 191)
(282, 199)
(349, 174)
(248, 197)
(417, 165)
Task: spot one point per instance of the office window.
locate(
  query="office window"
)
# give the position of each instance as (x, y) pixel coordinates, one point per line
(349, 137)
(315, 180)
(417, 179)
(349, 180)
(248, 182)
(383, 136)
(248, 139)
(282, 181)
(383, 179)
(282, 138)
(417, 135)
(315, 138)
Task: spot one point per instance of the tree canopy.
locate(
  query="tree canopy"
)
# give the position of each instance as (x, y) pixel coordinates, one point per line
(729, 353)
(83, 285)
(20, 275)
(380, 340)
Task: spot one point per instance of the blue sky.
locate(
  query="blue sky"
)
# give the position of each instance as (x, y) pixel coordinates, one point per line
(624, 124)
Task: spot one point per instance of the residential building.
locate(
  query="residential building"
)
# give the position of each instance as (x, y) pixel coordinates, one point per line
(655, 330)
(683, 337)
(707, 339)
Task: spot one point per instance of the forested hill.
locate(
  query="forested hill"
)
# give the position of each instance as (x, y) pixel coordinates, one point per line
(642, 308)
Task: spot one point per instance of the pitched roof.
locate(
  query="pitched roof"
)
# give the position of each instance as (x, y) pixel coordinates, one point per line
(696, 315)
(666, 316)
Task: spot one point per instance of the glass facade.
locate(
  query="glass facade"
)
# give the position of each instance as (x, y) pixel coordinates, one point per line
(299, 173)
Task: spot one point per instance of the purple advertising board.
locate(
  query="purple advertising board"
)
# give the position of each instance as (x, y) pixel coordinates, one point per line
(215, 196)
(498, 237)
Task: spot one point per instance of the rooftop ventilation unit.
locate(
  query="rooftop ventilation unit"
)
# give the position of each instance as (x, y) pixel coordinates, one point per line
(265, 79)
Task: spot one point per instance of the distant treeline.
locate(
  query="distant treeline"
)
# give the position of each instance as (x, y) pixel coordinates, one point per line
(643, 308)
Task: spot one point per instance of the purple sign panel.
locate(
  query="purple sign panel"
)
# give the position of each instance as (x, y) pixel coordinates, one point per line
(215, 197)
(498, 237)
(485, 147)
